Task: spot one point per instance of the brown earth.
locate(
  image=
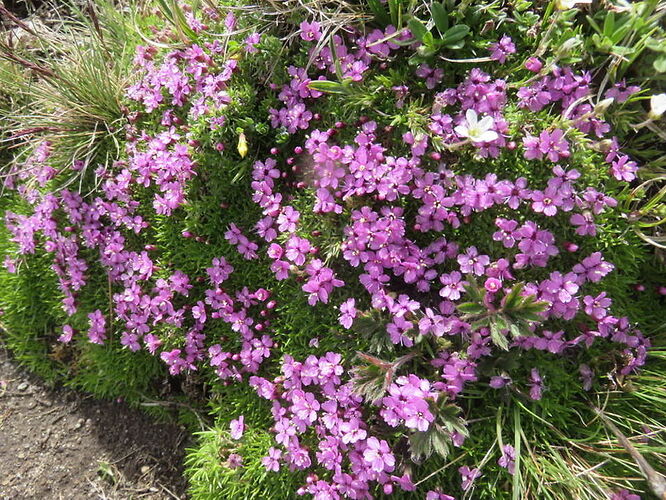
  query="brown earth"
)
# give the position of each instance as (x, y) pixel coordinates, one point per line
(60, 444)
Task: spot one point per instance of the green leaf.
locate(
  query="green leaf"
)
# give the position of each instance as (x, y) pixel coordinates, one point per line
(440, 443)
(455, 34)
(440, 16)
(420, 446)
(429, 40)
(327, 87)
(379, 12)
(471, 308)
(501, 322)
(498, 338)
(660, 64)
(512, 299)
(480, 323)
(417, 28)
(609, 25)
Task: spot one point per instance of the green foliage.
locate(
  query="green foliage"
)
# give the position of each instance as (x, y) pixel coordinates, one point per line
(516, 313)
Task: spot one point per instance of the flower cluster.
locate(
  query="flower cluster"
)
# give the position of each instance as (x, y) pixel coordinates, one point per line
(310, 398)
(407, 217)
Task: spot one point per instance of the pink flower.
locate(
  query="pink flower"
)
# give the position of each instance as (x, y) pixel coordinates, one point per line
(492, 285)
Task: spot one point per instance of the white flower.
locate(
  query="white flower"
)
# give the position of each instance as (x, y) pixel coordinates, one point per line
(657, 106)
(570, 4)
(475, 130)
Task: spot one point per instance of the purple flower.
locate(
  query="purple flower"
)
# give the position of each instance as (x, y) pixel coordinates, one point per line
(624, 495)
(597, 307)
(237, 427)
(472, 262)
(250, 43)
(506, 232)
(347, 312)
(234, 461)
(500, 50)
(437, 495)
(288, 219)
(533, 64)
(468, 476)
(508, 458)
(623, 169)
(499, 381)
(378, 455)
(432, 323)
(97, 330)
(585, 223)
(546, 202)
(621, 92)
(397, 330)
(67, 333)
(310, 32)
(272, 461)
(453, 285)
(432, 76)
(297, 249)
(536, 384)
(586, 375)
(593, 268)
(493, 285)
(551, 144)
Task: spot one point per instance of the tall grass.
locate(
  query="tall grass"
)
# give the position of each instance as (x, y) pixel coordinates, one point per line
(67, 86)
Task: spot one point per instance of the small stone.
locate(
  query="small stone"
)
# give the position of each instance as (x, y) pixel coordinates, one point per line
(22, 386)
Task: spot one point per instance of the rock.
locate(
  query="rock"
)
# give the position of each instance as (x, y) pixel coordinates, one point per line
(23, 386)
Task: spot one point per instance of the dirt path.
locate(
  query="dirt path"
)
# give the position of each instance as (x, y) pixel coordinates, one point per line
(58, 444)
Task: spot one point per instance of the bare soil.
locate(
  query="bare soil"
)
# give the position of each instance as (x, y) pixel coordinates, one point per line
(60, 444)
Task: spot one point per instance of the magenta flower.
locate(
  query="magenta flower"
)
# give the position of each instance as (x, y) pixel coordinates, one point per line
(546, 202)
(585, 223)
(288, 219)
(553, 145)
(251, 42)
(536, 384)
(493, 285)
(437, 495)
(97, 330)
(432, 323)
